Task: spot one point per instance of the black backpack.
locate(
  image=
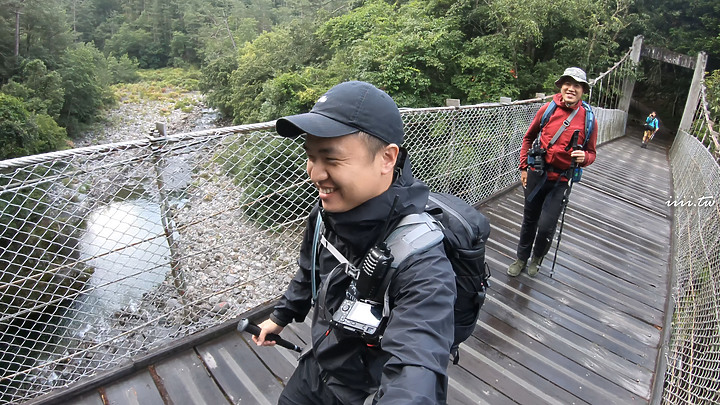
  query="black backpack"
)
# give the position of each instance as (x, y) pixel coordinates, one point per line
(465, 232)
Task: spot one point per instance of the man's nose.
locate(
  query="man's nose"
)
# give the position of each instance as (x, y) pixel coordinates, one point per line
(316, 171)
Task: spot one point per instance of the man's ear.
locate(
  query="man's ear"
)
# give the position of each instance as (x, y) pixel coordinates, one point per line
(389, 156)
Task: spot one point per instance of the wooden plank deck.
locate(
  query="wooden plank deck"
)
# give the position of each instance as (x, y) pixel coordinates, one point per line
(589, 335)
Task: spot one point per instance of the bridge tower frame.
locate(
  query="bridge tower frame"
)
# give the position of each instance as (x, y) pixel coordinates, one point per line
(698, 64)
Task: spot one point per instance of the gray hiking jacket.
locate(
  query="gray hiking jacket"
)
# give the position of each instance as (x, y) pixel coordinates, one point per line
(409, 366)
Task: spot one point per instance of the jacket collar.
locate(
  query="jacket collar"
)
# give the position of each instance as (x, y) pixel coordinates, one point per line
(560, 103)
(362, 226)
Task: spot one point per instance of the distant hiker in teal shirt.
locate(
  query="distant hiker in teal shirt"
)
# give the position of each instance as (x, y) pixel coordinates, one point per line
(651, 127)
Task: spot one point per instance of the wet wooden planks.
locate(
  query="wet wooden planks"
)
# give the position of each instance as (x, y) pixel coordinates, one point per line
(227, 370)
(591, 333)
(138, 389)
(588, 335)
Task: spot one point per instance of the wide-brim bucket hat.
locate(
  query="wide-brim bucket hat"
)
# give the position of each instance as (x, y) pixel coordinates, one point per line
(576, 74)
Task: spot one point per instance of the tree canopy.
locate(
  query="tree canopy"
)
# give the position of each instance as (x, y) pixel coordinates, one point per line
(261, 59)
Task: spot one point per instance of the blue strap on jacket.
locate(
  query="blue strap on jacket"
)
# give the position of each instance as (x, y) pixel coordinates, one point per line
(589, 119)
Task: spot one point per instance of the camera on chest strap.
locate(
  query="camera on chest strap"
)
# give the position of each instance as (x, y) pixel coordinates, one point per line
(362, 309)
(536, 156)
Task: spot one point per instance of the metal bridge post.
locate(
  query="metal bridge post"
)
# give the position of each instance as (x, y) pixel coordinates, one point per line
(693, 93)
(156, 145)
(629, 82)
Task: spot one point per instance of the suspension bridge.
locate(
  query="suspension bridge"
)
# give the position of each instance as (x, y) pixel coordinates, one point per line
(129, 265)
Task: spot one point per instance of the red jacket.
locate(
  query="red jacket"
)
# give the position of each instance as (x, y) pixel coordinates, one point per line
(557, 156)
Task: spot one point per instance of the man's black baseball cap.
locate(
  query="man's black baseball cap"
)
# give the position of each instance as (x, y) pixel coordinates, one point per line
(347, 108)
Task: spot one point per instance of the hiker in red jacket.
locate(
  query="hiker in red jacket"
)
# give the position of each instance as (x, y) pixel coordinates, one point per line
(545, 179)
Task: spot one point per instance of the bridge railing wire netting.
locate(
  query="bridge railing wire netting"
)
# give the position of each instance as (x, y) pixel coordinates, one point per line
(108, 252)
(693, 355)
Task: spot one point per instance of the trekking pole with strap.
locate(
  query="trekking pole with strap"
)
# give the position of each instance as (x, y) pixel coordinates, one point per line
(566, 197)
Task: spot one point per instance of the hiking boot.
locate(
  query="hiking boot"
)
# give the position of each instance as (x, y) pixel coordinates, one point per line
(534, 266)
(516, 267)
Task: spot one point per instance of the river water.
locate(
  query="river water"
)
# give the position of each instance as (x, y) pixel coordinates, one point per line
(121, 244)
(124, 242)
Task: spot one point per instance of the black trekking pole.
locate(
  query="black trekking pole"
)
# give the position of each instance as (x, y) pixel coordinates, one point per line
(246, 326)
(566, 197)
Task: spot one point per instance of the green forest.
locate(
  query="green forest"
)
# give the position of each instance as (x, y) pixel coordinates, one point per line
(256, 60)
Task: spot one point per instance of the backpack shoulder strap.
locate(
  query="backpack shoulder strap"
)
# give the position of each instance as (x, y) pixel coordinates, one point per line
(548, 112)
(316, 238)
(415, 233)
(589, 118)
(589, 122)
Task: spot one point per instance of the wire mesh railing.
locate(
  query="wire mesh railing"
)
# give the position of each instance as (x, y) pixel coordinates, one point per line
(110, 251)
(703, 127)
(693, 357)
(607, 89)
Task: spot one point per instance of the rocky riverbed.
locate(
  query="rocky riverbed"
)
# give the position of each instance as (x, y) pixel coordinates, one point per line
(128, 121)
(228, 266)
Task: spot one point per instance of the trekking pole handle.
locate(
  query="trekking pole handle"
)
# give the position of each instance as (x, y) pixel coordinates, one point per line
(574, 144)
(246, 326)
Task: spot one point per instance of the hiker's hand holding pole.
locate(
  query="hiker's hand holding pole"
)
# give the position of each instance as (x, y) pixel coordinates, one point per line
(578, 156)
(262, 337)
(267, 327)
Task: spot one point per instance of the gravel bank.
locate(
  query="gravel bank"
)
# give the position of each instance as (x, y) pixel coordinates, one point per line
(128, 121)
(229, 266)
(239, 254)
